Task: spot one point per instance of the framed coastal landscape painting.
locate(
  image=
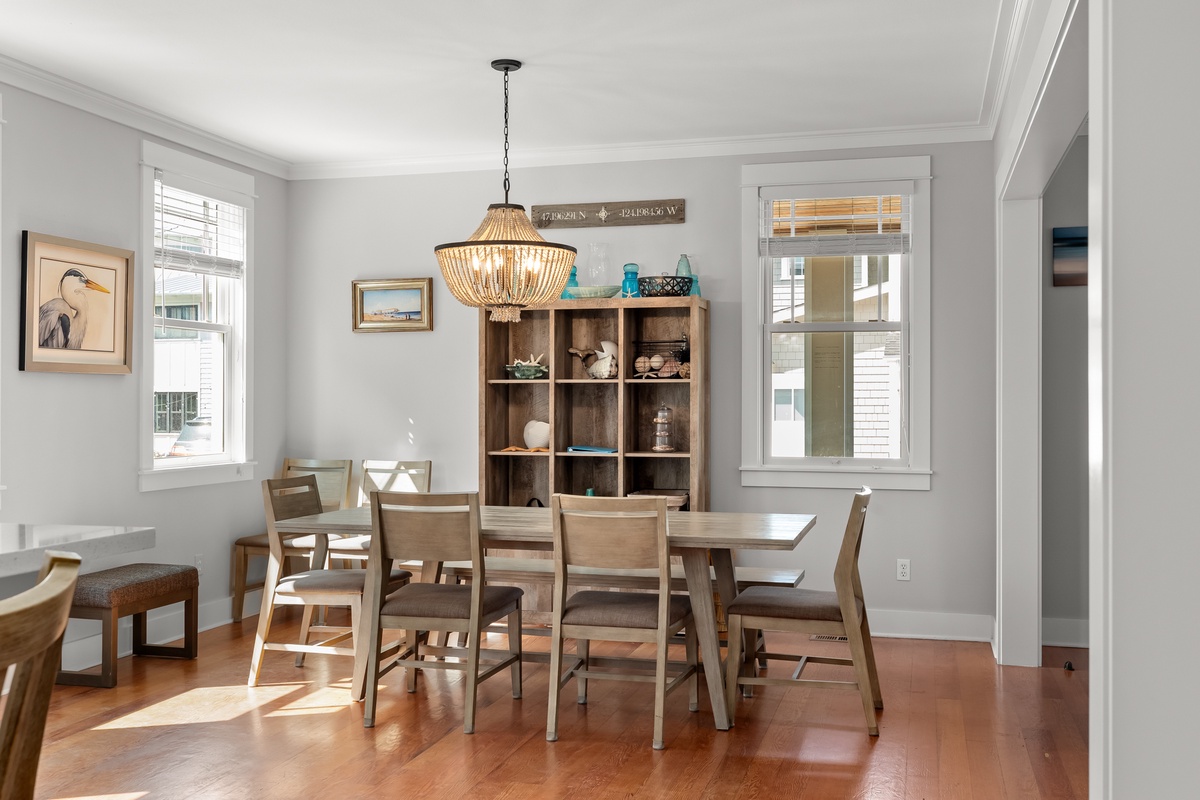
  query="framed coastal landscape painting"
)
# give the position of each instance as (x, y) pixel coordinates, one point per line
(401, 304)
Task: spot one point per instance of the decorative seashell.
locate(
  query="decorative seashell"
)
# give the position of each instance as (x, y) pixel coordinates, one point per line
(669, 369)
(537, 434)
(642, 364)
(603, 367)
(656, 361)
(685, 369)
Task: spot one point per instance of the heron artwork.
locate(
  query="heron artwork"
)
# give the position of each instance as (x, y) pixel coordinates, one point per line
(62, 321)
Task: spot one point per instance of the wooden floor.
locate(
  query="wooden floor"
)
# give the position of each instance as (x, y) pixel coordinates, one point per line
(955, 726)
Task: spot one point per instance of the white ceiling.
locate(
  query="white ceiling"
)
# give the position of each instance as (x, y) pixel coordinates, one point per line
(386, 85)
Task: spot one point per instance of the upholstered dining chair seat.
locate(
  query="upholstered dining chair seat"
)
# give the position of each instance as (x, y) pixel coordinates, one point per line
(622, 609)
(331, 580)
(446, 601)
(788, 603)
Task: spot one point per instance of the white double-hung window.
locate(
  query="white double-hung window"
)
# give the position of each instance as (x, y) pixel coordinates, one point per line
(836, 323)
(198, 225)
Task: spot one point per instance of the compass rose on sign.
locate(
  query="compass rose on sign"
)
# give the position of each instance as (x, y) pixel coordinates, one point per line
(602, 214)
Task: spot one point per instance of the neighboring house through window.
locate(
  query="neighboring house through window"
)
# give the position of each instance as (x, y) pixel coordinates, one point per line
(836, 323)
(199, 229)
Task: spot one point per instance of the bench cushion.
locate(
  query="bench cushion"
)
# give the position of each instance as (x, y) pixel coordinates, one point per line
(132, 583)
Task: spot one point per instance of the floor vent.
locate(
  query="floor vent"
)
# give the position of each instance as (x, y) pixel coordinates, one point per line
(825, 637)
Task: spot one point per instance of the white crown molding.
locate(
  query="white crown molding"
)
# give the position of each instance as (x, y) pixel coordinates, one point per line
(53, 87)
(1011, 22)
(648, 151)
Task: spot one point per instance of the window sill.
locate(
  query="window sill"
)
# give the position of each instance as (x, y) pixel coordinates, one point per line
(850, 478)
(153, 480)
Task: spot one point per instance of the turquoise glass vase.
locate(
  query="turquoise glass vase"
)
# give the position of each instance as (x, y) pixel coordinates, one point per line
(572, 282)
(629, 286)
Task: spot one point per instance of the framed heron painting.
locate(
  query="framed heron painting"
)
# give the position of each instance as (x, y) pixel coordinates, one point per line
(76, 306)
(401, 304)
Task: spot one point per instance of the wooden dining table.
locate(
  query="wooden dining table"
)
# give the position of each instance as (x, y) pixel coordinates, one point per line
(699, 537)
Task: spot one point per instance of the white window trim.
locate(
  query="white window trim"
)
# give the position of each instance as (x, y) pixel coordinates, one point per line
(755, 470)
(214, 180)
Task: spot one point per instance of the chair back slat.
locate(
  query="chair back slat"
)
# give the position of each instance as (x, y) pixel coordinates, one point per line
(285, 498)
(31, 628)
(333, 479)
(394, 476)
(426, 527)
(610, 532)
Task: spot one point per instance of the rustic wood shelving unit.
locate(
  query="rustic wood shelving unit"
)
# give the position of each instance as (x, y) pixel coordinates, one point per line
(614, 413)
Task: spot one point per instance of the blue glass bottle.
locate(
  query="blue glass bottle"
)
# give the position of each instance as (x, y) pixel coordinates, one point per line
(572, 282)
(629, 286)
(684, 268)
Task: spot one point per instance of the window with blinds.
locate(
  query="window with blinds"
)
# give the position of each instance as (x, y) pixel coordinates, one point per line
(835, 323)
(199, 266)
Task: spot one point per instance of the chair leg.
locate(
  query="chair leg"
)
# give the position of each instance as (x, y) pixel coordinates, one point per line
(240, 564)
(862, 675)
(869, 649)
(514, 647)
(556, 655)
(410, 671)
(733, 664)
(583, 648)
(305, 624)
(371, 684)
(472, 681)
(660, 691)
(191, 625)
(264, 620)
(689, 647)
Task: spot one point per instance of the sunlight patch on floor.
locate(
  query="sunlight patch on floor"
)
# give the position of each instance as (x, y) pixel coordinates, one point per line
(204, 704)
(327, 700)
(122, 796)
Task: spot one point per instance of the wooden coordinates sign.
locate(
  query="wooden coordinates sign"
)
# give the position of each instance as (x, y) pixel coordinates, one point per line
(606, 215)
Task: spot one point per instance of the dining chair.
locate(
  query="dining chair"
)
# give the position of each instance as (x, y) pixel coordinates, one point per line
(617, 533)
(285, 498)
(434, 528)
(380, 476)
(333, 484)
(31, 631)
(842, 612)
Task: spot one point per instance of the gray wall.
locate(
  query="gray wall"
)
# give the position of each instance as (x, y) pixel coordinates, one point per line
(1064, 418)
(69, 442)
(409, 395)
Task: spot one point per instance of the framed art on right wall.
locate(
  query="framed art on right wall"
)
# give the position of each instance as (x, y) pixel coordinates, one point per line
(1070, 256)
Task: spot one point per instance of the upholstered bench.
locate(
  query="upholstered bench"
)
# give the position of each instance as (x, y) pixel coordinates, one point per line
(110, 594)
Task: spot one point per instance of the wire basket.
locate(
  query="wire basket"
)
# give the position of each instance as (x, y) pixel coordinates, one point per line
(661, 358)
(664, 285)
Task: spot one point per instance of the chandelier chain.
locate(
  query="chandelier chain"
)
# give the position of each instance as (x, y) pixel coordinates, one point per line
(506, 135)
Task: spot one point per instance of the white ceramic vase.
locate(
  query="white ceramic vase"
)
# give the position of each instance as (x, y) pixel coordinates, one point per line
(537, 434)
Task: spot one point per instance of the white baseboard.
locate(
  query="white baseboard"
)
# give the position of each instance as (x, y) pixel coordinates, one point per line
(931, 625)
(81, 649)
(1064, 632)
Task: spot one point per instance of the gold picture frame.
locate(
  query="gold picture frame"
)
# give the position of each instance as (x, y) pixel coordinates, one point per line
(76, 306)
(402, 304)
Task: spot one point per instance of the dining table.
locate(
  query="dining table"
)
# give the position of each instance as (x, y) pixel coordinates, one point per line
(700, 538)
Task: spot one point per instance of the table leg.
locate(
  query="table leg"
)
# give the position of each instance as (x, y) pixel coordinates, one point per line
(699, 580)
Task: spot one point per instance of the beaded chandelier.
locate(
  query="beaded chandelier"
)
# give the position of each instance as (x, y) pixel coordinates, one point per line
(505, 265)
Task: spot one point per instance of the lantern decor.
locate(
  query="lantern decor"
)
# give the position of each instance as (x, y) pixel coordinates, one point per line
(662, 430)
(505, 265)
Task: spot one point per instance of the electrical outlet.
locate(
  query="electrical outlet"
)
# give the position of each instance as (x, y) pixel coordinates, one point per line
(902, 569)
(199, 564)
